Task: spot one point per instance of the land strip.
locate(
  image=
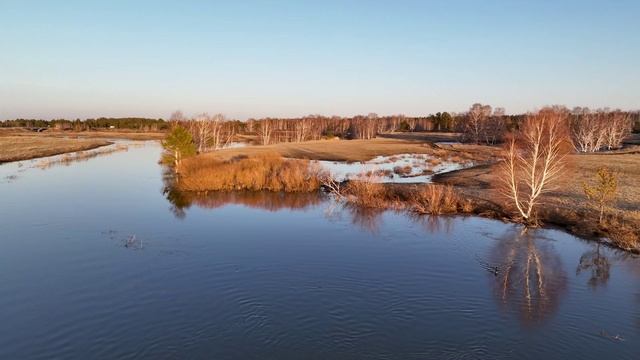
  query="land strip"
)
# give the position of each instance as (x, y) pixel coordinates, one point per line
(15, 148)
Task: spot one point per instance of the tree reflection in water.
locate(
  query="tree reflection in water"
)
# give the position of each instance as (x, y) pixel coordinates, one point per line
(596, 262)
(532, 280)
(433, 223)
(266, 200)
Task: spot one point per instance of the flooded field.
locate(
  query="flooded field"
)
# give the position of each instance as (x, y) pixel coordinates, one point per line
(401, 168)
(98, 261)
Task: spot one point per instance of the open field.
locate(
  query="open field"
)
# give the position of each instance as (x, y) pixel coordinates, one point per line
(14, 148)
(90, 134)
(349, 150)
(424, 136)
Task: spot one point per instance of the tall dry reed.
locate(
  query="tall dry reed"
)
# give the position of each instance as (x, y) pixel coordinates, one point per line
(269, 172)
(438, 199)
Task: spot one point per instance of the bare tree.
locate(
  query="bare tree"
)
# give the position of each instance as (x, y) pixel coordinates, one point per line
(177, 116)
(476, 122)
(302, 128)
(535, 160)
(617, 127)
(222, 131)
(493, 128)
(201, 131)
(586, 131)
(594, 131)
(265, 130)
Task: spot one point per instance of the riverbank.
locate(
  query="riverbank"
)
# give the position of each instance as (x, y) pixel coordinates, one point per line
(116, 134)
(475, 188)
(16, 148)
(567, 206)
(18, 144)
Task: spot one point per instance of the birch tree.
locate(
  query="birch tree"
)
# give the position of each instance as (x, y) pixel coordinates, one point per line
(535, 160)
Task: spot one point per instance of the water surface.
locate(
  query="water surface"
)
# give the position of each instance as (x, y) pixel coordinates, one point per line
(96, 262)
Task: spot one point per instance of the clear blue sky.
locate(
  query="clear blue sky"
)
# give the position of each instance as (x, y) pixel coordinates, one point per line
(289, 58)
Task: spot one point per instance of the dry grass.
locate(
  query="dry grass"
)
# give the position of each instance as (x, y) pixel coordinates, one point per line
(14, 148)
(367, 193)
(438, 199)
(89, 134)
(332, 150)
(266, 171)
(363, 150)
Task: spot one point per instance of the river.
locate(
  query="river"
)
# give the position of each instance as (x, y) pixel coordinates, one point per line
(96, 262)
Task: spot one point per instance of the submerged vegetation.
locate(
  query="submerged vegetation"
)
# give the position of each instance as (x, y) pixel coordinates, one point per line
(69, 158)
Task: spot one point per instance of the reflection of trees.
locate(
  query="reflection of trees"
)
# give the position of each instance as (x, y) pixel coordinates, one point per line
(266, 200)
(177, 199)
(596, 262)
(271, 201)
(433, 223)
(368, 219)
(632, 263)
(532, 280)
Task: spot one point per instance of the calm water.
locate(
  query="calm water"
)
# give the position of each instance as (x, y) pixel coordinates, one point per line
(95, 262)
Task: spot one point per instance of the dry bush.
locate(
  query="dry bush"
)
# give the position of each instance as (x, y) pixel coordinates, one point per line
(438, 199)
(435, 161)
(366, 193)
(262, 172)
(621, 233)
(402, 170)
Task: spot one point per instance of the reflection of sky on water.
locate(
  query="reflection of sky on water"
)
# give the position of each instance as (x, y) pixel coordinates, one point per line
(92, 255)
(421, 168)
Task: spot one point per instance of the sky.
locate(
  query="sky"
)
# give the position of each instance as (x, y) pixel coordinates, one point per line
(83, 59)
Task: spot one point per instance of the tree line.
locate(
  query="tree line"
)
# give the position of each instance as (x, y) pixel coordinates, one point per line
(481, 124)
(129, 123)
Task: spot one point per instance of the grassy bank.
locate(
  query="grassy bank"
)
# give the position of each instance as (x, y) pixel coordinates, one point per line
(15, 148)
(473, 190)
(568, 206)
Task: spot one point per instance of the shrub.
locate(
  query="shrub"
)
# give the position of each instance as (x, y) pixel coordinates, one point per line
(604, 191)
(438, 199)
(402, 170)
(269, 172)
(366, 193)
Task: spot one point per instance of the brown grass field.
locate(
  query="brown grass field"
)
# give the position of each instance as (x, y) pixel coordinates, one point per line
(89, 134)
(14, 148)
(21, 144)
(353, 150)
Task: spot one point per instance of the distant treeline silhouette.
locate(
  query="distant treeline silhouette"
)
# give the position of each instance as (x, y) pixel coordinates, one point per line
(481, 124)
(129, 123)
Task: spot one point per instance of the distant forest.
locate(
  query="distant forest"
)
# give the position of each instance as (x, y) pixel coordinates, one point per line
(129, 123)
(481, 123)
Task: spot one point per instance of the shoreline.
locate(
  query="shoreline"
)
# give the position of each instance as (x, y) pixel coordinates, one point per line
(64, 148)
